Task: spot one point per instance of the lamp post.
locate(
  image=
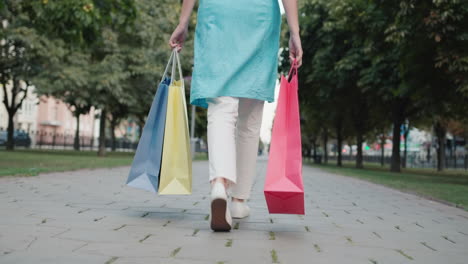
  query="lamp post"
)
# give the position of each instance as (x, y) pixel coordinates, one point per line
(192, 131)
(193, 113)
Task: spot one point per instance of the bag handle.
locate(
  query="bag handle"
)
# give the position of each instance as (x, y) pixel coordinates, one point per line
(179, 66)
(173, 65)
(182, 87)
(292, 70)
(167, 67)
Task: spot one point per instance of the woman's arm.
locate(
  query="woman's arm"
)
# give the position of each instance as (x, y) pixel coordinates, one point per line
(295, 47)
(187, 7)
(180, 33)
(290, 7)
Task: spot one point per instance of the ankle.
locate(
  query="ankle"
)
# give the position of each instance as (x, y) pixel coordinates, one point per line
(219, 179)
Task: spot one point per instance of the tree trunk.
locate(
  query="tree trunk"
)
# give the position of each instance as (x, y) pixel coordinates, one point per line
(339, 144)
(359, 141)
(113, 124)
(441, 153)
(325, 148)
(465, 161)
(314, 144)
(10, 144)
(102, 134)
(141, 125)
(453, 149)
(76, 142)
(382, 150)
(12, 105)
(395, 165)
(440, 132)
(405, 151)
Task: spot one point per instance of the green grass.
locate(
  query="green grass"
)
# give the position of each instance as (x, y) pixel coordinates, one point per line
(22, 162)
(201, 156)
(450, 186)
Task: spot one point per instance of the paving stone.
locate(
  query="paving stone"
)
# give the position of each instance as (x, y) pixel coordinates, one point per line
(91, 216)
(69, 258)
(146, 260)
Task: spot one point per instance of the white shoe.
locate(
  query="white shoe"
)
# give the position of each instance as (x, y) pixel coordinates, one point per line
(239, 209)
(220, 217)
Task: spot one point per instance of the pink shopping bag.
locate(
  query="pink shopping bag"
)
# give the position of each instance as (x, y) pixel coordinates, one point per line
(284, 189)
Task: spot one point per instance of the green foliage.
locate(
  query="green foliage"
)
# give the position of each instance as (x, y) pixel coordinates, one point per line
(369, 63)
(79, 22)
(25, 54)
(25, 51)
(146, 52)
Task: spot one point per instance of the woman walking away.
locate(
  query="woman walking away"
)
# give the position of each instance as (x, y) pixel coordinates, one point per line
(235, 71)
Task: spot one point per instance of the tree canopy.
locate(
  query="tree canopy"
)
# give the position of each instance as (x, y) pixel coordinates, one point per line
(372, 64)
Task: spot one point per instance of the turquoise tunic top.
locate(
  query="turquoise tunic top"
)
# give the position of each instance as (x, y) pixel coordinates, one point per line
(235, 50)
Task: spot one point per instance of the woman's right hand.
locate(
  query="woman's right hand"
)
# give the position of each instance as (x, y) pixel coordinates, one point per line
(178, 37)
(295, 49)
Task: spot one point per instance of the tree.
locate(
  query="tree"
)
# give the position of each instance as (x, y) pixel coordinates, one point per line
(71, 83)
(90, 30)
(24, 55)
(146, 52)
(445, 23)
(437, 48)
(365, 61)
(319, 84)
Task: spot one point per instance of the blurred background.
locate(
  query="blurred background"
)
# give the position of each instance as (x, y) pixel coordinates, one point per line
(383, 83)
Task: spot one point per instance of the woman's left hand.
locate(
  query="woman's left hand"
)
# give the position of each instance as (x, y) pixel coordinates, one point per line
(178, 37)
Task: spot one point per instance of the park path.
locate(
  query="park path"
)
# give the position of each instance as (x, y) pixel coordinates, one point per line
(90, 216)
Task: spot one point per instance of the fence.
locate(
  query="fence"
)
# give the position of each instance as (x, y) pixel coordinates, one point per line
(412, 160)
(51, 140)
(64, 141)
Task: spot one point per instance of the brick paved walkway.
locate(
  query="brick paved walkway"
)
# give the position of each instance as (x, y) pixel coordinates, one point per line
(90, 216)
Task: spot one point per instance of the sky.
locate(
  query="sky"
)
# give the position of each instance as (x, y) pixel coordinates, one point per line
(281, 6)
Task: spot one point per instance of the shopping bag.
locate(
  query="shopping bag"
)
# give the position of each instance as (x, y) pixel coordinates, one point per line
(146, 164)
(284, 189)
(176, 168)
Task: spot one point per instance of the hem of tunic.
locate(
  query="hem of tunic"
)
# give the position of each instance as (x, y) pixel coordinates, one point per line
(201, 100)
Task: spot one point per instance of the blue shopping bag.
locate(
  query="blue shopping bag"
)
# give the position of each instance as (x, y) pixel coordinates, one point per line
(146, 165)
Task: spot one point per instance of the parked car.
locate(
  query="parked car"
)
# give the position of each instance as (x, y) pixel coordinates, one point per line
(21, 138)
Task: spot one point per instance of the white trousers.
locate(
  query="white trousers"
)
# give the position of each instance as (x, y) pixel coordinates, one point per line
(233, 138)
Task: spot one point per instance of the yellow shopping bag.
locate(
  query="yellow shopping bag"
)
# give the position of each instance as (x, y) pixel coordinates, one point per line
(176, 167)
